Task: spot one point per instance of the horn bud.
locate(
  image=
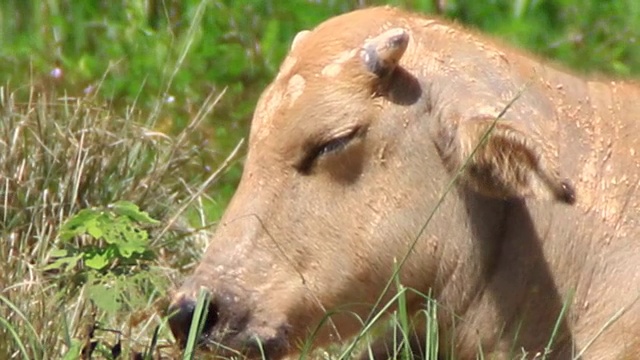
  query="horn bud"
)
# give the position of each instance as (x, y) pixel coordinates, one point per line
(382, 53)
(299, 36)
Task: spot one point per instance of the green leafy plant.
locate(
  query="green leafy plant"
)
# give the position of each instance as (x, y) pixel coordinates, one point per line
(106, 250)
(118, 234)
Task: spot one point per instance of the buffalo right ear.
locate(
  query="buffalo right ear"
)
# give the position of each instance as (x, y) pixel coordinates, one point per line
(497, 159)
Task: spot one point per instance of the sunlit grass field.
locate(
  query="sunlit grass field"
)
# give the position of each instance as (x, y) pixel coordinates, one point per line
(135, 112)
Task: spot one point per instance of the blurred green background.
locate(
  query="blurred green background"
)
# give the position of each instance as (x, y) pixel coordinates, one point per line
(174, 53)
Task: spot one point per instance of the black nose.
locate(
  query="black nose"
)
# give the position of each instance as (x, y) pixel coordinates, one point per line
(181, 314)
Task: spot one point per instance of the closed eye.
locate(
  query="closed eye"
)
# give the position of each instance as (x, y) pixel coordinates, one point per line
(335, 144)
(323, 149)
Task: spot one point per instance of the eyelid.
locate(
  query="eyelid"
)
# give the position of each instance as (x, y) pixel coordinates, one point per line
(336, 142)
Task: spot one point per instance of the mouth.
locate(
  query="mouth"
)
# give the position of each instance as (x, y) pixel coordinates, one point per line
(232, 344)
(223, 336)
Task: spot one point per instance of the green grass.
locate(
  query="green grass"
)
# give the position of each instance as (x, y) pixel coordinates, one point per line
(197, 324)
(61, 155)
(108, 101)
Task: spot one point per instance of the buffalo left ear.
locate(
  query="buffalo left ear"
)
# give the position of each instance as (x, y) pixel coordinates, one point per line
(502, 161)
(382, 53)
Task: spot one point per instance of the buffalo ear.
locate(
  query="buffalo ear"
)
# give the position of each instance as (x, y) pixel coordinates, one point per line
(382, 53)
(496, 159)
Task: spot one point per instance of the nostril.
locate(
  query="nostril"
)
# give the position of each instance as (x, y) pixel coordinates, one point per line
(211, 318)
(181, 314)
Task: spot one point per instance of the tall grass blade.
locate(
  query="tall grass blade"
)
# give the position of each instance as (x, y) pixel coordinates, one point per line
(16, 338)
(197, 324)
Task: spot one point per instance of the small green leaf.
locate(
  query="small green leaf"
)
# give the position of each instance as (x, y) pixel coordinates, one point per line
(76, 225)
(56, 253)
(74, 350)
(133, 212)
(64, 263)
(98, 260)
(126, 237)
(104, 296)
(111, 233)
(132, 247)
(94, 228)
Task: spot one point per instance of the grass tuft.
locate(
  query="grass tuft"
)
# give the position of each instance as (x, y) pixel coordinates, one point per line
(58, 156)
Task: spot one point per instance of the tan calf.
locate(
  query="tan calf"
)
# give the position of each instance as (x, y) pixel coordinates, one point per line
(351, 148)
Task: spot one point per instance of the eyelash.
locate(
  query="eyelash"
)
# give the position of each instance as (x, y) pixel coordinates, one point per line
(335, 144)
(328, 147)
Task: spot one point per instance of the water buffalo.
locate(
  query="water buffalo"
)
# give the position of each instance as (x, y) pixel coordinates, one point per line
(373, 113)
